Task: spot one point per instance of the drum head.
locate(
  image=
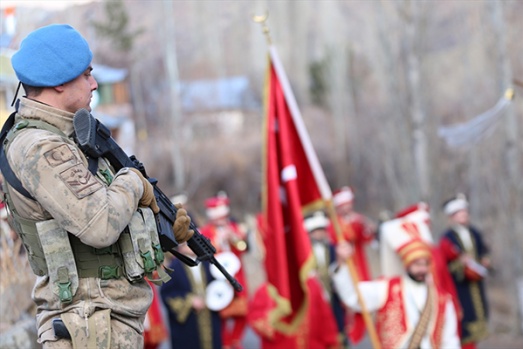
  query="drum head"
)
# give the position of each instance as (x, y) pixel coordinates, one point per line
(229, 261)
(219, 294)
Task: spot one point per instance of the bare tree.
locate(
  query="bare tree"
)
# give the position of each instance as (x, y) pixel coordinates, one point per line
(413, 19)
(514, 191)
(395, 131)
(338, 88)
(175, 124)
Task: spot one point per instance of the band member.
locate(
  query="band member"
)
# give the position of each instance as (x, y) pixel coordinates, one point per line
(412, 312)
(414, 222)
(226, 235)
(357, 229)
(191, 323)
(467, 258)
(324, 255)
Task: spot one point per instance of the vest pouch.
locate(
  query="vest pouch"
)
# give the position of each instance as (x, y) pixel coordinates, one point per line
(137, 251)
(133, 269)
(152, 228)
(59, 256)
(28, 233)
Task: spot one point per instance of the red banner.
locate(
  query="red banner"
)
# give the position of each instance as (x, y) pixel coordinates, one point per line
(289, 186)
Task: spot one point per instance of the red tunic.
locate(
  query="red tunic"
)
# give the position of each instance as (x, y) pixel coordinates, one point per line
(210, 231)
(155, 331)
(358, 233)
(237, 310)
(391, 320)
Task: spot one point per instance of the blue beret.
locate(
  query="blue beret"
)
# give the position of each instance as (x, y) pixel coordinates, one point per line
(51, 55)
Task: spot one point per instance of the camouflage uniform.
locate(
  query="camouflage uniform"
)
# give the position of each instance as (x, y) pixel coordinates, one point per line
(54, 171)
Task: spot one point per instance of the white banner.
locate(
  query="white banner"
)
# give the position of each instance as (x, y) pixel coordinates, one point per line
(470, 132)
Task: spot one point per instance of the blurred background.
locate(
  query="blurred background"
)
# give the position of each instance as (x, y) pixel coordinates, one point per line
(379, 84)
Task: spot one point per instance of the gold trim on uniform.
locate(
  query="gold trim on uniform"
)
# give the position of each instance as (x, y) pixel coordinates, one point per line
(391, 333)
(204, 316)
(478, 329)
(181, 306)
(423, 323)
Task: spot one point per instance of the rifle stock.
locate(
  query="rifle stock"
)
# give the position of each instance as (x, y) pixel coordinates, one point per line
(94, 139)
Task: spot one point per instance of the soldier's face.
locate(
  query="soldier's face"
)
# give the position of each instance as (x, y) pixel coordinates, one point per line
(78, 92)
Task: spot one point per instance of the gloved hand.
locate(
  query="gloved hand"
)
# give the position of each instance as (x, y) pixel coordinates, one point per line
(181, 230)
(148, 199)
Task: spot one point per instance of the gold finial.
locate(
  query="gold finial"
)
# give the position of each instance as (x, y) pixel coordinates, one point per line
(262, 19)
(509, 94)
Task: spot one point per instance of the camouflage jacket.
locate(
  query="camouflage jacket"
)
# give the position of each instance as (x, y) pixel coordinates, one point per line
(54, 171)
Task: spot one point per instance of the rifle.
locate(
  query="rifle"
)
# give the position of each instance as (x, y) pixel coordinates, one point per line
(95, 140)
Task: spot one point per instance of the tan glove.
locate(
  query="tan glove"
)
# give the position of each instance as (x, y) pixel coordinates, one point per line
(148, 199)
(181, 230)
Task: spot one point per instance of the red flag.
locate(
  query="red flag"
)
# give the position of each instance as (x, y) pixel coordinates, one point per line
(293, 180)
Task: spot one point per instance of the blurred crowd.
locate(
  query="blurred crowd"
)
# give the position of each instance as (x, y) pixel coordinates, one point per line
(427, 293)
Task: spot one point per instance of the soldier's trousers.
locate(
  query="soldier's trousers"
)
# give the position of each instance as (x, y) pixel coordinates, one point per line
(122, 337)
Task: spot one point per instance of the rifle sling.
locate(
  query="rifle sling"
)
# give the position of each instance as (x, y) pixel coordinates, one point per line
(6, 169)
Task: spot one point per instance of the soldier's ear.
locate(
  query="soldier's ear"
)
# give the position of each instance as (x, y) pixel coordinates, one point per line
(59, 88)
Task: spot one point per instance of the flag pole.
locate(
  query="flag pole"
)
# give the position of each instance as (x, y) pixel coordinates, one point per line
(262, 19)
(317, 171)
(371, 329)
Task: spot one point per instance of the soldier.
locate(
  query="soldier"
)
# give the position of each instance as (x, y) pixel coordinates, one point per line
(85, 232)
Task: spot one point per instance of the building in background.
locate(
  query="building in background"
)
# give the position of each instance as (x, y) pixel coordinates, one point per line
(111, 105)
(8, 80)
(218, 105)
(8, 83)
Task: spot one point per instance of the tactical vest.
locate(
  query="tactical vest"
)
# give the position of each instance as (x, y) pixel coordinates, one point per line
(62, 256)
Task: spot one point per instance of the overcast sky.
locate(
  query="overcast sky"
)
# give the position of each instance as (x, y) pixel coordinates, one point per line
(53, 4)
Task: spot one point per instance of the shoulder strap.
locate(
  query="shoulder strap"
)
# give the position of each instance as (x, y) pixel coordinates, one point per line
(6, 137)
(423, 323)
(6, 169)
